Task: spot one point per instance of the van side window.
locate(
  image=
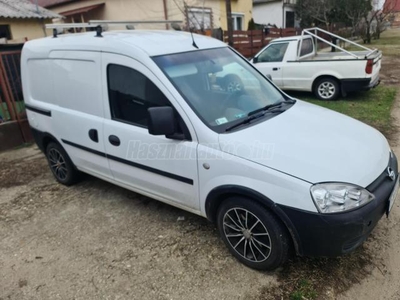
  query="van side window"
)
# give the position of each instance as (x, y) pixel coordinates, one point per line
(306, 47)
(131, 94)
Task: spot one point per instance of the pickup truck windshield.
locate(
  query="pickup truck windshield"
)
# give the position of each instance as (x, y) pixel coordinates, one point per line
(220, 86)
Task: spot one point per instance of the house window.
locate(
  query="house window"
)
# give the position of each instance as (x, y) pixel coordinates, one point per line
(199, 18)
(290, 19)
(237, 19)
(5, 32)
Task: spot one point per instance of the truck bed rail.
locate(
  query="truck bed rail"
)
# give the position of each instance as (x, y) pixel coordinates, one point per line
(314, 33)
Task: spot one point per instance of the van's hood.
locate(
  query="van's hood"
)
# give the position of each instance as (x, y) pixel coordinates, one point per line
(314, 144)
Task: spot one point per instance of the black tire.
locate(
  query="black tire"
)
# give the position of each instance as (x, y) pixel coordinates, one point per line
(268, 232)
(327, 89)
(61, 165)
(232, 83)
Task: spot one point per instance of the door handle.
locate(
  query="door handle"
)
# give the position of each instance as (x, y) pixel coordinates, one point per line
(114, 140)
(94, 136)
(275, 69)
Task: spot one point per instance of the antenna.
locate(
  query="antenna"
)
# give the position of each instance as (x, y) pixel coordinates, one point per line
(99, 30)
(194, 43)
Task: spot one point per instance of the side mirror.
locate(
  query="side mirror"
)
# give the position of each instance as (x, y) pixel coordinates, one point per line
(255, 60)
(161, 120)
(268, 76)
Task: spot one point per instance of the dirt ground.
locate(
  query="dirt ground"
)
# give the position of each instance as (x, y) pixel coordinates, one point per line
(98, 241)
(384, 243)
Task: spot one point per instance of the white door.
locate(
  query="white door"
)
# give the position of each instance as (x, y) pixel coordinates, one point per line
(299, 75)
(163, 168)
(79, 111)
(271, 61)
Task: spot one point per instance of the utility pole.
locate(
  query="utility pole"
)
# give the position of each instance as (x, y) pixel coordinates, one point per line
(230, 22)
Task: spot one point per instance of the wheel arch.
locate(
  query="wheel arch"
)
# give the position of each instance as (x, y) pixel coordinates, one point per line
(319, 77)
(42, 139)
(218, 195)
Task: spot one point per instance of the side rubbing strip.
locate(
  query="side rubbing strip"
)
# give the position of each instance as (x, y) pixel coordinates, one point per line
(150, 169)
(38, 110)
(131, 163)
(84, 148)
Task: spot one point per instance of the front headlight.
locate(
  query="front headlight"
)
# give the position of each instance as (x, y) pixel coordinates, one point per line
(339, 197)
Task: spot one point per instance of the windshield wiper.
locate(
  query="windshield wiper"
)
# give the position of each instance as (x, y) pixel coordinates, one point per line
(252, 117)
(261, 112)
(270, 106)
(246, 120)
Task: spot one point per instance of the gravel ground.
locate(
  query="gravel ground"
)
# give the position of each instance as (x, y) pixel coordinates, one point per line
(384, 244)
(98, 241)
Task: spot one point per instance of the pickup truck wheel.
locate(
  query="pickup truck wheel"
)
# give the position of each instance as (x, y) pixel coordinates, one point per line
(253, 234)
(232, 83)
(327, 89)
(61, 165)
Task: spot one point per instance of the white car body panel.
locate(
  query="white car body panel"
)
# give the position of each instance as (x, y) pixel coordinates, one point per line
(305, 137)
(300, 73)
(330, 147)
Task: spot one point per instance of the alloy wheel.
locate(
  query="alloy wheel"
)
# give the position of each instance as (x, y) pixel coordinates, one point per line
(233, 86)
(247, 234)
(326, 90)
(57, 164)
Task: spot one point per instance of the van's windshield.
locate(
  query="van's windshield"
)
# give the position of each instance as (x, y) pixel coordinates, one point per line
(221, 87)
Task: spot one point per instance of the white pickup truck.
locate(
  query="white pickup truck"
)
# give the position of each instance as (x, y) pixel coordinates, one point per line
(294, 63)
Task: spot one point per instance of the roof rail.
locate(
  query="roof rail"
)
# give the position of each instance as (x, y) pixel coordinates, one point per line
(98, 23)
(55, 27)
(112, 22)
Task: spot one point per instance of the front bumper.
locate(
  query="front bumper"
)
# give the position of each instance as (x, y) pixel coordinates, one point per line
(336, 234)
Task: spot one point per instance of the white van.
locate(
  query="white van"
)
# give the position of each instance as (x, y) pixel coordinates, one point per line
(155, 112)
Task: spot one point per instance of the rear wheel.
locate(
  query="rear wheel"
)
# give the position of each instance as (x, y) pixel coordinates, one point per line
(61, 165)
(254, 235)
(327, 89)
(232, 83)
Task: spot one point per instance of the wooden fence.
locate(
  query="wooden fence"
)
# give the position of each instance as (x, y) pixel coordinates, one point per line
(248, 43)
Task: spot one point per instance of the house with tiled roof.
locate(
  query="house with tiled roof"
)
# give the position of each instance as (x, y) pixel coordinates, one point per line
(21, 20)
(392, 7)
(196, 14)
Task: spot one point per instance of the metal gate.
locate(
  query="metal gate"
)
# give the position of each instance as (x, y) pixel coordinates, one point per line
(12, 107)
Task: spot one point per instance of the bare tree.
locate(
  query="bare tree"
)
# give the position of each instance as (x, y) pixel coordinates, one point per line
(316, 10)
(354, 12)
(192, 19)
(383, 16)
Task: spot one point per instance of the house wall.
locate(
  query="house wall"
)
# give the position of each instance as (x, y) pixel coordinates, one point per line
(154, 10)
(237, 6)
(272, 13)
(142, 10)
(24, 28)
